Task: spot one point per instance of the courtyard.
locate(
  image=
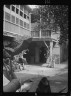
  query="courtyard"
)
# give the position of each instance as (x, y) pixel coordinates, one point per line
(58, 77)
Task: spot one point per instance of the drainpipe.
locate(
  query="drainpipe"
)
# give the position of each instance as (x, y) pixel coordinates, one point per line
(51, 49)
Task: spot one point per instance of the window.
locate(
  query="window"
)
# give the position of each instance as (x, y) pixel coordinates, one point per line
(21, 23)
(17, 10)
(25, 24)
(3, 14)
(7, 6)
(25, 11)
(21, 7)
(13, 8)
(13, 19)
(17, 6)
(28, 13)
(49, 32)
(17, 20)
(28, 17)
(21, 13)
(7, 16)
(46, 33)
(25, 16)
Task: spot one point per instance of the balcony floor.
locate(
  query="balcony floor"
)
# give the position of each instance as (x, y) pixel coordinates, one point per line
(41, 39)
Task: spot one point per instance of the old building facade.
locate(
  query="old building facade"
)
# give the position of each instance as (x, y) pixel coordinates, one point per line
(42, 44)
(16, 21)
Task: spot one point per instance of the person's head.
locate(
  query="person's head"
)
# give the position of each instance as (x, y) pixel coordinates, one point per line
(43, 86)
(44, 81)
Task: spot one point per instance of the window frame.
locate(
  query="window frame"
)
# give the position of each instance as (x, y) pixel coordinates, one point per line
(25, 15)
(20, 23)
(12, 19)
(17, 7)
(7, 7)
(28, 17)
(13, 7)
(6, 18)
(20, 8)
(20, 13)
(25, 25)
(17, 10)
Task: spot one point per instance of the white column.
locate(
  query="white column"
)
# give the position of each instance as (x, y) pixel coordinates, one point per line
(51, 48)
(30, 21)
(37, 55)
(59, 54)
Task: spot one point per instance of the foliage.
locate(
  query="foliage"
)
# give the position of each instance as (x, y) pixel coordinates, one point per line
(52, 16)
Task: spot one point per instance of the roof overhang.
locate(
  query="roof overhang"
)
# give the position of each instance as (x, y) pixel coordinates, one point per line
(9, 34)
(16, 36)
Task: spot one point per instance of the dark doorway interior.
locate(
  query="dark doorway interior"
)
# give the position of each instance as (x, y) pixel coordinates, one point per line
(43, 55)
(30, 55)
(27, 56)
(7, 41)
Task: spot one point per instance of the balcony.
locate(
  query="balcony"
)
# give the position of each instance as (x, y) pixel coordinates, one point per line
(44, 34)
(35, 34)
(47, 35)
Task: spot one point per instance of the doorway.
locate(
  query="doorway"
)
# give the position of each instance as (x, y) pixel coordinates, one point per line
(43, 55)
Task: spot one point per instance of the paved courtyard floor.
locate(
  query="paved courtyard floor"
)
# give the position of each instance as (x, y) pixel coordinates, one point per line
(57, 76)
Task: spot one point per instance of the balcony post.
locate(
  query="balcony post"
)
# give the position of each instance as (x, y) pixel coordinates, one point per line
(51, 53)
